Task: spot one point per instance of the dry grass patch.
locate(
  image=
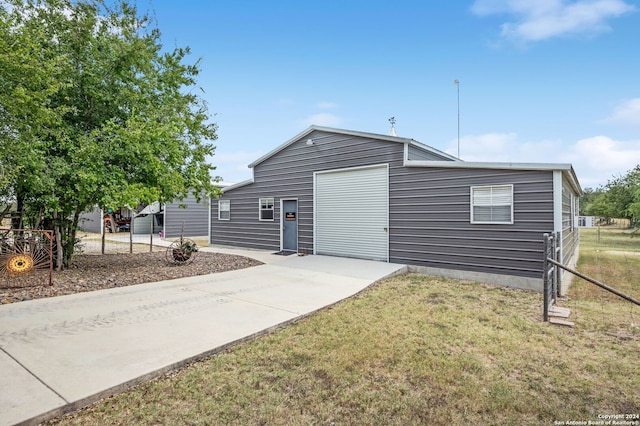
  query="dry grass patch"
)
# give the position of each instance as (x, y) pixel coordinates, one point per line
(410, 350)
(611, 256)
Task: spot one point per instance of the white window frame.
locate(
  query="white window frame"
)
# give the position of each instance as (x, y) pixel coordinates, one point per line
(267, 201)
(222, 203)
(492, 204)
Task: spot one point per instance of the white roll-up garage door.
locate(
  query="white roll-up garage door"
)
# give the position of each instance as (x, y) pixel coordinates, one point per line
(352, 212)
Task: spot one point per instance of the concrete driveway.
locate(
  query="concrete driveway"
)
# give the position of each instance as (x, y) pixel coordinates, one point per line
(62, 353)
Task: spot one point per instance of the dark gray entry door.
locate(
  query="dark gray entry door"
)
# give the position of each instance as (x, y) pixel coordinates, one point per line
(290, 225)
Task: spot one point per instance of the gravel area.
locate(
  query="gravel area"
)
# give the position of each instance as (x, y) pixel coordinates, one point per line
(96, 272)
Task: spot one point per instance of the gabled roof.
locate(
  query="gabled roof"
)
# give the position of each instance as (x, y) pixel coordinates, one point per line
(376, 136)
(450, 162)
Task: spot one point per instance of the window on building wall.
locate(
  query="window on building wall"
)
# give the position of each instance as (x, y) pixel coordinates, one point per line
(492, 204)
(266, 208)
(224, 210)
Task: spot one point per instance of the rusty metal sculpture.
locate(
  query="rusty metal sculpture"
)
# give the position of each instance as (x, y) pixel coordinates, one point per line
(181, 252)
(22, 252)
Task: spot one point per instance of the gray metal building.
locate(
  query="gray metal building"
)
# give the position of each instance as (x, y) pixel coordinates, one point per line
(169, 218)
(371, 196)
(188, 214)
(173, 218)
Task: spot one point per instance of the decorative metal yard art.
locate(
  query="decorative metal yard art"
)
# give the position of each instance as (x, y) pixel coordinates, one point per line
(24, 252)
(181, 252)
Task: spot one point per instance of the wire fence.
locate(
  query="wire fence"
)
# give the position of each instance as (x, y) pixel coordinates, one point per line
(611, 256)
(124, 242)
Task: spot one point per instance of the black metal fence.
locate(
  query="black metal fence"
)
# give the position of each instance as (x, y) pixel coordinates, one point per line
(552, 274)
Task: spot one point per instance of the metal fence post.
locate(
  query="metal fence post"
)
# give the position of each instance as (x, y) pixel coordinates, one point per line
(545, 277)
(556, 272)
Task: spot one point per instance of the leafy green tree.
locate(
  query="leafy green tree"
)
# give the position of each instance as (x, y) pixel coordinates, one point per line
(631, 185)
(27, 81)
(634, 208)
(588, 197)
(619, 198)
(110, 118)
(598, 206)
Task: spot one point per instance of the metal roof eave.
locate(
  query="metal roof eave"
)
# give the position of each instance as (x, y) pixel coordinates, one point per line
(433, 150)
(236, 185)
(566, 168)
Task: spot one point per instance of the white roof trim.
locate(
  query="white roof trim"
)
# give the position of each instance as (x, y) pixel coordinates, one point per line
(433, 150)
(152, 208)
(488, 165)
(237, 185)
(345, 132)
(564, 167)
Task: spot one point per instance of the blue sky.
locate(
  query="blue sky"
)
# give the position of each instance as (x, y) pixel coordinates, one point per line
(554, 81)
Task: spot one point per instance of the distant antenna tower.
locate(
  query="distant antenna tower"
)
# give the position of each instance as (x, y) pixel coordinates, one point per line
(457, 83)
(392, 132)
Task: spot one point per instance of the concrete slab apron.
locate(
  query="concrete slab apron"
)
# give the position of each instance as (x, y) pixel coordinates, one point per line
(73, 349)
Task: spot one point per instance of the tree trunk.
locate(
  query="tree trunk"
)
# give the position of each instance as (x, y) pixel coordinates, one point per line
(4, 212)
(16, 221)
(37, 221)
(58, 236)
(70, 241)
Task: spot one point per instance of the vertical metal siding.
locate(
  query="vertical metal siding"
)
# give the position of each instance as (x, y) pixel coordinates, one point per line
(142, 225)
(352, 213)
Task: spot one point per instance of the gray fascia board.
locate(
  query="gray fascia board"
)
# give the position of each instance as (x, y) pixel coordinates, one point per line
(566, 168)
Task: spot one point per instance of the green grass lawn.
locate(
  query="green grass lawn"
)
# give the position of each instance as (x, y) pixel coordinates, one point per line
(417, 350)
(611, 256)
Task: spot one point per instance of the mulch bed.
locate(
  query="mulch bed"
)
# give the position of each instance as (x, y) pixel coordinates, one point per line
(96, 272)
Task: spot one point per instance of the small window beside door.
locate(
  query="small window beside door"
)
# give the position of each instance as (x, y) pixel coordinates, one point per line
(266, 209)
(224, 210)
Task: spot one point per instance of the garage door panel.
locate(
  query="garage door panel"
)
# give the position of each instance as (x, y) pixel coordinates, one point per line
(352, 212)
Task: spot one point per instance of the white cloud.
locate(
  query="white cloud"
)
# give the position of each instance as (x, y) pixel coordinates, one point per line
(595, 160)
(326, 105)
(487, 147)
(322, 119)
(602, 155)
(233, 166)
(543, 19)
(626, 114)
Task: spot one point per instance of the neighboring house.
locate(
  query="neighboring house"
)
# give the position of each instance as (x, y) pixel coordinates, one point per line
(586, 221)
(172, 218)
(371, 196)
(169, 218)
(91, 221)
(143, 220)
